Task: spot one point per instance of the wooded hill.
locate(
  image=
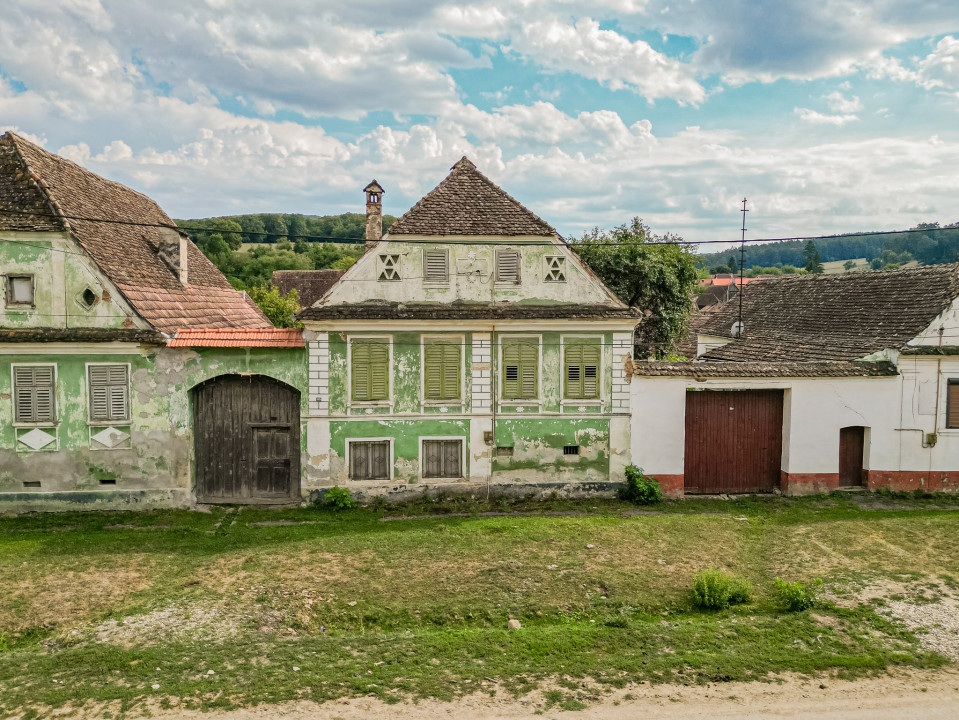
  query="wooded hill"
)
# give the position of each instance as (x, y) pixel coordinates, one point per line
(930, 244)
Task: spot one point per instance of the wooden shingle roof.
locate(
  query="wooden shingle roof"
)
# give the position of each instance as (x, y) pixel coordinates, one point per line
(37, 181)
(833, 317)
(469, 203)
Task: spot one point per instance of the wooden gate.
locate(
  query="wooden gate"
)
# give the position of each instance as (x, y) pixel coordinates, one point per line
(733, 441)
(247, 439)
(851, 446)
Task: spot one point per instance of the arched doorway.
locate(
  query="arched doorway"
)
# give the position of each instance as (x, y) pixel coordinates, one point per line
(247, 440)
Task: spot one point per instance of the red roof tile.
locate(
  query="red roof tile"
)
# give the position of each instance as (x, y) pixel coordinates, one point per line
(233, 337)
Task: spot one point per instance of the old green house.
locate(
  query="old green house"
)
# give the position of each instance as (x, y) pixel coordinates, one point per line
(131, 373)
(469, 347)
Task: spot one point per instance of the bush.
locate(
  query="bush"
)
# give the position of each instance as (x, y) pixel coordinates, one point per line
(339, 498)
(717, 590)
(640, 489)
(796, 596)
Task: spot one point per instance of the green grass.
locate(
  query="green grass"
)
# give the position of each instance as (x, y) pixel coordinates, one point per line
(408, 608)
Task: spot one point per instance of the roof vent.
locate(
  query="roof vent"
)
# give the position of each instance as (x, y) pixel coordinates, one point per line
(173, 251)
(737, 329)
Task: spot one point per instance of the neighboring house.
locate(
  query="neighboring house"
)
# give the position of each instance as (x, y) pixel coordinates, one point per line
(118, 339)
(310, 285)
(468, 346)
(837, 380)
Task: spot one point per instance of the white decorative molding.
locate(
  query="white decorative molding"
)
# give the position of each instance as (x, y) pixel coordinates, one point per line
(37, 439)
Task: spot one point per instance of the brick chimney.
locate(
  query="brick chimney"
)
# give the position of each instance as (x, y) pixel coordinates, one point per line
(374, 214)
(173, 251)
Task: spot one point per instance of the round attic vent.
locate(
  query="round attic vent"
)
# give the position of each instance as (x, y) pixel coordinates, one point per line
(89, 297)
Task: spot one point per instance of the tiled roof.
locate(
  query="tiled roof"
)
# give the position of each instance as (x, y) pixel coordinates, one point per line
(127, 254)
(696, 369)
(233, 337)
(91, 335)
(384, 310)
(469, 203)
(930, 350)
(833, 317)
(310, 285)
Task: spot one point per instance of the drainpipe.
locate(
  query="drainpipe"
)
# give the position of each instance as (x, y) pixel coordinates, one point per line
(492, 400)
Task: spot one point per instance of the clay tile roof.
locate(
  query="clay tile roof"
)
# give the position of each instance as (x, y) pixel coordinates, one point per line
(233, 337)
(696, 369)
(469, 203)
(833, 317)
(310, 285)
(127, 254)
(388, 310)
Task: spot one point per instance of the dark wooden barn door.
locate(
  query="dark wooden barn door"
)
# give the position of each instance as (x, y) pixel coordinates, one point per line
(247, 437)
(851, 446)
(733, 441)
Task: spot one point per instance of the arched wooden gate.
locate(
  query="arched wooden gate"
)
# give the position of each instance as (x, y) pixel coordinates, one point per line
(247, 440)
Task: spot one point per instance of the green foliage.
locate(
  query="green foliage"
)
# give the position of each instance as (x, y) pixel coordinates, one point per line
(280, 309)
(656, 278)
(796, 596)
(640, 489)
(813, 262)
(720, 270)
(339, 498)
(717, 590)
(848, 265)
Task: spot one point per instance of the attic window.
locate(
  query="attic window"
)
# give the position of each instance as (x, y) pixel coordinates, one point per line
(88, 297)
(20, 290)
(555, 268)
(436, 266)
(389, 267)
(507, 266)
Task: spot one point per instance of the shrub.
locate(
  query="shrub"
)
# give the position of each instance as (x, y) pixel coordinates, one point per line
(717, 590)
(339, 498)
(640, 489)
(796, 596)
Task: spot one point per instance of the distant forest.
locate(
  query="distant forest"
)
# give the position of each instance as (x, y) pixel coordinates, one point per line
(930, 245)
(248, 248)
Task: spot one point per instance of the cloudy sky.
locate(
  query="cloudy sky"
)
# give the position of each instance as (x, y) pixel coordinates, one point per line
(830, 116)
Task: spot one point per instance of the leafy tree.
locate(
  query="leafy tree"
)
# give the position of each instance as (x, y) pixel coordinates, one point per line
(301, 246)
(720, 270)
(230, 230)
(656, 278)
(733, 265)
(280, 309)
(813, 262)
(848, 265)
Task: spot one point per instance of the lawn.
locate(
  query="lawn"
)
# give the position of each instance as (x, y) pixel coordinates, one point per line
(239, 607)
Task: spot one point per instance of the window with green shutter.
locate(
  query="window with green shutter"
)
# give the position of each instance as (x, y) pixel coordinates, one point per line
(370, 369)
(109, 393)
(442, 369)
(34, 393)
(581, 370)
(520, 368)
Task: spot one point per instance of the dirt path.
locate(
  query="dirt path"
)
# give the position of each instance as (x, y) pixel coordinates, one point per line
(900, 695)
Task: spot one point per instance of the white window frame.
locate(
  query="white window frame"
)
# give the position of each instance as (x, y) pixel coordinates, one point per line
(600, 375)
(426, 280)
(392, 463)
(548, 270)
(463, 474)
(501, 370)
(436, 338)
(350, 402)
(105, 423)
(56, 399)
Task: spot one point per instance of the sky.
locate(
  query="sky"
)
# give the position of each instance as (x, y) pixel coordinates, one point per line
(829, 116)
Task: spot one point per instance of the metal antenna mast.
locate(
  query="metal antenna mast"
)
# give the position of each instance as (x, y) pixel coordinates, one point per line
(742, 262)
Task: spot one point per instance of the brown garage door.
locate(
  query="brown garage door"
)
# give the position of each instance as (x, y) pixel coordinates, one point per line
(733, 441)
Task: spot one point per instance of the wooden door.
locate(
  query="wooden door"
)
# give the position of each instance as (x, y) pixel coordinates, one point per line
(247, 440)
(733, 441)
(851, 446)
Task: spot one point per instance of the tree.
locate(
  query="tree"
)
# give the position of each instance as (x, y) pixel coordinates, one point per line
(720, 270)
(280, 309)
(733, 265)
(656, 278)
(848, 265)
(813, 262)
(229, 230)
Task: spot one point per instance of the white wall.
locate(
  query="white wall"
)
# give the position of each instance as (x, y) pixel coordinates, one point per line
(924, 381)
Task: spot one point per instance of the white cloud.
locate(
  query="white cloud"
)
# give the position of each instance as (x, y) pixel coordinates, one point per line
(818, 118)
(941, 67)
(839, 103)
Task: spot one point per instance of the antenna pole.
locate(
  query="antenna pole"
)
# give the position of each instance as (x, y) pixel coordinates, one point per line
(742, 262)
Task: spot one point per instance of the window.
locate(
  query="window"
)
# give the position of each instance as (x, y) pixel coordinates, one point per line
(442, 369)
(520, 369)
(369, 369)
(34, 388)
(20, 290)
(109, 392)
(370, 460)
(389, 267)
(507, 266)
(952, 403)
(581, 363)
(442, 458)
(555, 268)
(436, 266)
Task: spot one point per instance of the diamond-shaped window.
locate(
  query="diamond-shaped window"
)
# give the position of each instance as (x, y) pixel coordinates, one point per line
(37, 439)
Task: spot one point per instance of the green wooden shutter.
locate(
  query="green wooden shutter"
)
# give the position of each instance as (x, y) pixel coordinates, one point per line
(379, 370)
(511, 371)
(452, 365)
(573, 371)
(529, 361)
(360, 371)
(370, 371)
(581, 370)
(591, 358)
(433, 372)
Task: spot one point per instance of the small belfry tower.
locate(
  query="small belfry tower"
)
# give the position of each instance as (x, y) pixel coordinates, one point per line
(374, 214)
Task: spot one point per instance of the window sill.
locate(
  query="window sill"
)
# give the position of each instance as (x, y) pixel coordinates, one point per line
(108, 423)
(41, 425)
(566, 402)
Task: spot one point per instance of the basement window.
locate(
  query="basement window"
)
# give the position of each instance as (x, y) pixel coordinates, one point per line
(504, 451)
(571, 450)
